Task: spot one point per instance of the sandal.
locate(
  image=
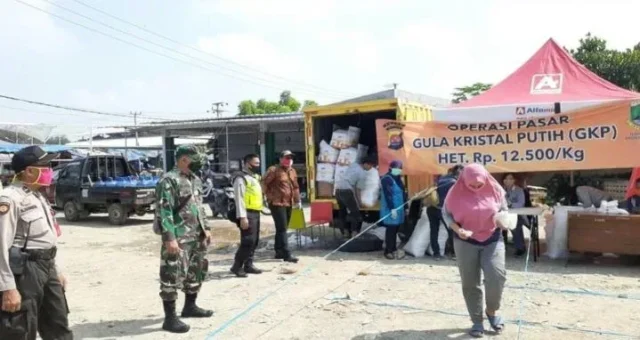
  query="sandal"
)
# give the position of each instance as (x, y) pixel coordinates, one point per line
(477, 330)
(496, 322)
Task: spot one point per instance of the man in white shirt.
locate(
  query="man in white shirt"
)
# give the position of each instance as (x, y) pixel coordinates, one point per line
(349, 208)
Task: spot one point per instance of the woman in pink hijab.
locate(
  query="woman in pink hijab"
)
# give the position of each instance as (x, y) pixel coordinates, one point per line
(470, 211)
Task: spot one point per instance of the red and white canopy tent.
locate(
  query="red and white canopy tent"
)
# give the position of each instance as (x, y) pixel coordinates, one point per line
(551, 81)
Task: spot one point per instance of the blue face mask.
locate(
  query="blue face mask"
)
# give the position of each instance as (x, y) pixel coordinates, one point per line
(396, 172)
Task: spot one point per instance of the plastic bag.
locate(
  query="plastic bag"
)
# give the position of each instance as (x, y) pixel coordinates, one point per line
(506, 220)
(297, 220)
(419, 241)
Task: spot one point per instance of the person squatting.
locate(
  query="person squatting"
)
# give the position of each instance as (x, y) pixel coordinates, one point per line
(185, 238)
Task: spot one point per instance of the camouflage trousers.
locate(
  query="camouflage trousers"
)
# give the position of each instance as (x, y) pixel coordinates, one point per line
(184, 271)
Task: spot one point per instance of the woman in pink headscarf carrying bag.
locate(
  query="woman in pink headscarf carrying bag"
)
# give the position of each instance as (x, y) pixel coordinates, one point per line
(470, 211)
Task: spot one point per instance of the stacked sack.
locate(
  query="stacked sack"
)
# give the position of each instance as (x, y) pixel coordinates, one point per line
(336, 156)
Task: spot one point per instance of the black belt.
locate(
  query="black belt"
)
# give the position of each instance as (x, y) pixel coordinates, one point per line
(42, 254)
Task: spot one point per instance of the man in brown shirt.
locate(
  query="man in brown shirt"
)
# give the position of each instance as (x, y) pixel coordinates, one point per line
(280, 185)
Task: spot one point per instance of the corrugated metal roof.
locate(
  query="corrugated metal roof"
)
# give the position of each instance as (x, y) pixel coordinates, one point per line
(401, 94)
(223, 121)
(144, 143)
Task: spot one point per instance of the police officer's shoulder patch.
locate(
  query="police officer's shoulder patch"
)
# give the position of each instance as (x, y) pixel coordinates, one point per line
(4, 207)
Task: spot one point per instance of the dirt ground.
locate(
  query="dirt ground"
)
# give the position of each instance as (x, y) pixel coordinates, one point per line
(113, 293)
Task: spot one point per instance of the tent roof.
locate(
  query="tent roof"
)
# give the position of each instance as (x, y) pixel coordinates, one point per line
(551, 75)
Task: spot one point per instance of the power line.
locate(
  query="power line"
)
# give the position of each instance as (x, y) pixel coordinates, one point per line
(265, 82)
(71, 108)
(205, 52)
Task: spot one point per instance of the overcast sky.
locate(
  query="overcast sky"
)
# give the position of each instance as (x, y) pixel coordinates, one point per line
(323, 50)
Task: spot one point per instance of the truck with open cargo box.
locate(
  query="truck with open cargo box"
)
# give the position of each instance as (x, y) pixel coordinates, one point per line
(339, 134)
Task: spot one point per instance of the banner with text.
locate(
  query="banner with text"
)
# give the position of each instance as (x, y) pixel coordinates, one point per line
(601, 137)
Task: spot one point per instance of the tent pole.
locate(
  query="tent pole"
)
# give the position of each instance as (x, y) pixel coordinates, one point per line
(571, 179)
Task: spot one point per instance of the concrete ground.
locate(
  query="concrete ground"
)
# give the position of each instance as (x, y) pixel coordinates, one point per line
(113, 293)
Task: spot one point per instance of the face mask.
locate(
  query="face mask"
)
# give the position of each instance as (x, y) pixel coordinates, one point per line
(255, 169)
(45, 177)
(287, 162)
(196, 164)
(396, 172)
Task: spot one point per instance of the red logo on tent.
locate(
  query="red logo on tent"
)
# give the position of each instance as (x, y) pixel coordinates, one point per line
(546, 83)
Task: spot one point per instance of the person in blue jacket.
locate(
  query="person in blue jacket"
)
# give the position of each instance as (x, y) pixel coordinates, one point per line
(394, 195)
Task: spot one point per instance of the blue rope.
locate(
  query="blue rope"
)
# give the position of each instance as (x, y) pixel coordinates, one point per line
(466, 315)
(519, 287)
(257, 303)
(526, 273)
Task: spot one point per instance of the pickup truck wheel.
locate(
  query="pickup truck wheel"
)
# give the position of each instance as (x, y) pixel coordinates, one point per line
(71, 212)
(117, 214)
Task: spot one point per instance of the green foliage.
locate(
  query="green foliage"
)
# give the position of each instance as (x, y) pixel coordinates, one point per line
(309, 103)
(467, 92)
(619, 67)
(285, 104)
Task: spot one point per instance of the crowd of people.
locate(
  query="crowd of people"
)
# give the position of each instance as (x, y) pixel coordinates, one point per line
(467, 201)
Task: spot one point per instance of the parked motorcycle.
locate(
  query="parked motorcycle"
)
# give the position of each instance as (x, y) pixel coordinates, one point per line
(217, 192)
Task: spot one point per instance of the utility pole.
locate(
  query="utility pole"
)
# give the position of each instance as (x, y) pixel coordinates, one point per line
(135, 124)
(215, 108)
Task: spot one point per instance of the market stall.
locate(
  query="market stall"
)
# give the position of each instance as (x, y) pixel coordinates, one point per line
(551, 115)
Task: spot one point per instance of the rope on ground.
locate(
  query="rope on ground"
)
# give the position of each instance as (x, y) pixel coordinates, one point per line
(535, 289)
(257, 303)
(618, 335)
(316, 300)
(526, 274)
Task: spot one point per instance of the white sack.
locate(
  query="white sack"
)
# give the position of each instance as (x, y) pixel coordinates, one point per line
(369, 188)
(443, 235)
(353, 135)
(557, 242)
(328, 154)
(419, 241)
(348, 156)
(325, 172)
(340, 139)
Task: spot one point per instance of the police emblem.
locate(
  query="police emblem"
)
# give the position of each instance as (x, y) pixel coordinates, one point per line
(4, 208)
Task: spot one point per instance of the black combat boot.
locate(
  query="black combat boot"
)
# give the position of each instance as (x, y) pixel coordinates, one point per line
(191, 310)
(238, 270)
(171, 321)
(286, 257)
(249, 268)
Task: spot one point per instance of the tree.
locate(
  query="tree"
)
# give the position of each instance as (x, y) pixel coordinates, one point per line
(467, 92)
(247, 107)
(309, 103)
(619, 67)
(285, 104)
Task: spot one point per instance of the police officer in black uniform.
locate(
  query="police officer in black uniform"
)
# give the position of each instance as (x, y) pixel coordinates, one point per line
(33, 298)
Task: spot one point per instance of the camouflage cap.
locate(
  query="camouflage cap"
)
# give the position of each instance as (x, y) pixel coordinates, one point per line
(186, 150)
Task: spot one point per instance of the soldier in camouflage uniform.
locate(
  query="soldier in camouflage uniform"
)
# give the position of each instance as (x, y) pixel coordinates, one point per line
(185, 237)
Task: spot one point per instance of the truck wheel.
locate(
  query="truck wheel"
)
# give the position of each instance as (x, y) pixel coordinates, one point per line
(117, 214)
(71, 212)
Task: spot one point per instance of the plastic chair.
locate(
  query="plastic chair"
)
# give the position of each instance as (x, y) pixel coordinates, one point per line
(321, 216)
